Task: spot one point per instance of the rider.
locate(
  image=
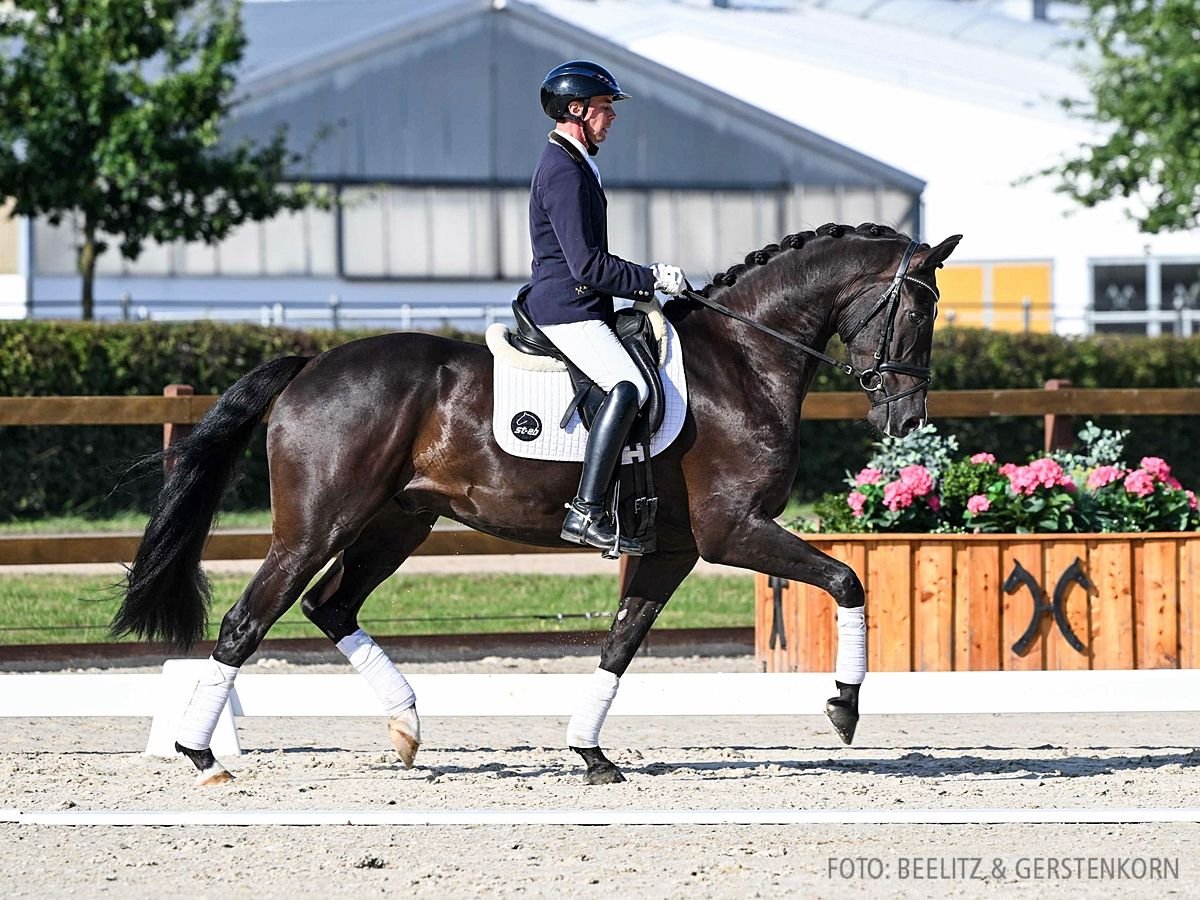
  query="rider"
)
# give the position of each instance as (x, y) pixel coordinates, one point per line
(574, 279)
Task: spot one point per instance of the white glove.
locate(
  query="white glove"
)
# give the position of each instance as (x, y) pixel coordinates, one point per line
(668, 279)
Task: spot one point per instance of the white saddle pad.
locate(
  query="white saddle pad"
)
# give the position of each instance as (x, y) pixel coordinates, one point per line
(533, 392)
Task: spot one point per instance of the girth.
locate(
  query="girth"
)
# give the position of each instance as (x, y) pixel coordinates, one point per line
(636, 335)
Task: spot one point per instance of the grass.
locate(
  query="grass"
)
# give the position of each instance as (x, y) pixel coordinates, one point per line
(130, 521)
(36, 609)
(257, 519)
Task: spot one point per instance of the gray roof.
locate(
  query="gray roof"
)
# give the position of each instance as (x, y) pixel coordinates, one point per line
(445, 91)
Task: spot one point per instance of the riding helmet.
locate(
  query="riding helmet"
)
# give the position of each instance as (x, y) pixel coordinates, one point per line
(577, 80)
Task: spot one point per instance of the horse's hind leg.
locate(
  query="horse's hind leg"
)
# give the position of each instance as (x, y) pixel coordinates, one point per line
(653, 581)
(333, 604)
(276, 585)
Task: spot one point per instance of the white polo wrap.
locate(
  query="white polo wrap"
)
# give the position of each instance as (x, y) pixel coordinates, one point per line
(584, 728)
(203, 710)
(373, 664)
(852, 645)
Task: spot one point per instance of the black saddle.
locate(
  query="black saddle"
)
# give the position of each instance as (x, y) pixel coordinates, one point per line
(636, 335)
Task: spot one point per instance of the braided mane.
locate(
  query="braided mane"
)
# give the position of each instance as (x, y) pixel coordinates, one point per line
(793, 242)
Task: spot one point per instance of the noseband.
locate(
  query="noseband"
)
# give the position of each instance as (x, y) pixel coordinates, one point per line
(869, 379)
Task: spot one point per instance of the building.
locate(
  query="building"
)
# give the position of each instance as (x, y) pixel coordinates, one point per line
(747, 123)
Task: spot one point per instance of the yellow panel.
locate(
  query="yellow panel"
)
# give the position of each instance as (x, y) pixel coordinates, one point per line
(962, 296)
(8, 241)
(961, 285)
(1011, 284)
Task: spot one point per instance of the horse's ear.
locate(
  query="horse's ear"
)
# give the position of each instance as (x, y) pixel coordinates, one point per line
(935, 256)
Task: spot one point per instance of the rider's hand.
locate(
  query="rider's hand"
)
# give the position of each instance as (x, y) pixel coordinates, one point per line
(668, 279)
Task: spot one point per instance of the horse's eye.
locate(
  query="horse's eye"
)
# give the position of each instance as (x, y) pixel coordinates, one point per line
(916, 317)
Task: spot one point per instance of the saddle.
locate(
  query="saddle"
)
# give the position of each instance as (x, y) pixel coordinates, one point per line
(636, 335)
(632, 501)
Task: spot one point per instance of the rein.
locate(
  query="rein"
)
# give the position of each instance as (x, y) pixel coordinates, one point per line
(869, 379)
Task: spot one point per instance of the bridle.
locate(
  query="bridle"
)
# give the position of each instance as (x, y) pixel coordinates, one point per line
(871, 378)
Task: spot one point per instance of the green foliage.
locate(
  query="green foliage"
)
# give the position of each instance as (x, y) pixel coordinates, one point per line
(977, 495)
(1040, 506)
(923, 447)
(1145, 84)
(1101, 447)
(71, 470)
(111, 113)
(972, 359)
(961, 481)
(51, 470)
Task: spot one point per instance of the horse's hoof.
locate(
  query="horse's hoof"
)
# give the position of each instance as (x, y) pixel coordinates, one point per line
(218, 774)
(404, 731)
(600, 769)
(609, 774)
(844, 718)
(208, 770)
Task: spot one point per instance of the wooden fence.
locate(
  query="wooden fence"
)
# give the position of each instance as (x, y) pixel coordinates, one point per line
(179, 408)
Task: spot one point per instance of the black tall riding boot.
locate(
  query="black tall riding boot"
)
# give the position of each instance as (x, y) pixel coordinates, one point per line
(587, 520)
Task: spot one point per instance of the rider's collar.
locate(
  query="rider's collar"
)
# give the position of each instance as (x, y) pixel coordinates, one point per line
(576, 149)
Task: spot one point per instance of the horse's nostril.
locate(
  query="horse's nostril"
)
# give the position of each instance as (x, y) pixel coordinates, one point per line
(911, 424)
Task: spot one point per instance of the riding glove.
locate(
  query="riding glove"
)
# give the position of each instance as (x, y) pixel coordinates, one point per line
(668, 279)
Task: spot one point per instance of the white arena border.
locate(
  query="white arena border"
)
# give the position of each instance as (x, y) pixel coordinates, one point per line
(559, 817)
(164, 697)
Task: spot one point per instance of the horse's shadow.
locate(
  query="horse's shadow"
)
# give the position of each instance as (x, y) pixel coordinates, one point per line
(1083, 763)
(923, 765)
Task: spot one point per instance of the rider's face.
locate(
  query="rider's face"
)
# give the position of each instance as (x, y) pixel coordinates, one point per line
(599, 118)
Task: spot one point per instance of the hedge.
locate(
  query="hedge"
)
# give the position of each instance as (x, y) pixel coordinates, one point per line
(51, 470)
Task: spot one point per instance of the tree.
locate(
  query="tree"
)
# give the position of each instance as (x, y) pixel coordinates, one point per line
(110, 115)
(1145, 81)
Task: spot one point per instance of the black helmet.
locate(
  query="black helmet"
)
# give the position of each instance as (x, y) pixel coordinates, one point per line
(576, 80)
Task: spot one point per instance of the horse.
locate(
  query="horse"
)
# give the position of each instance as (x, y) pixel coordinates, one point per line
(370, 442)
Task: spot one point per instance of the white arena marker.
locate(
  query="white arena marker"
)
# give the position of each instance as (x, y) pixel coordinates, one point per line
(164, 697)
(559, 817)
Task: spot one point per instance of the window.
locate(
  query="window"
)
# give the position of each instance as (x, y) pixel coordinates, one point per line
(1153, 296)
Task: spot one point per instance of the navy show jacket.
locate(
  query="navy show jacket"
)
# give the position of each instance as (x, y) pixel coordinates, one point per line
(574, 277)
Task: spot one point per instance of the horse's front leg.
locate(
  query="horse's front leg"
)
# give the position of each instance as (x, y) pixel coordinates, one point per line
(654, 578)
(759, 543)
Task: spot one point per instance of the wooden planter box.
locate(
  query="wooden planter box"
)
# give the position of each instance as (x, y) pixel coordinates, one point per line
(938, 603)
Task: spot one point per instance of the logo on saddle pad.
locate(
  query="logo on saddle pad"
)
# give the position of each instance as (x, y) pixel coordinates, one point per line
(526, 426)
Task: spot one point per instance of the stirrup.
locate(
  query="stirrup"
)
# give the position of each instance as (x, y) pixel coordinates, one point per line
(583, 533)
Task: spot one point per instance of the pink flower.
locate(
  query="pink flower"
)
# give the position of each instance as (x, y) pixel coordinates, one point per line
(934, 502)
(1008, 468)
(1049, 473)
(1139, 483)
(1172, 482)
(1022, 480)
(1157, 467)
(978, 504)
(1043, 472)
(897, 495)
(856, 502)
(1192, 500)
(980, 458)
(917, 479)
(1102, 475)
(868, 476)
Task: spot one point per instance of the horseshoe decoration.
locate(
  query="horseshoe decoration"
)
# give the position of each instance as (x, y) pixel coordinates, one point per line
(1073, 574)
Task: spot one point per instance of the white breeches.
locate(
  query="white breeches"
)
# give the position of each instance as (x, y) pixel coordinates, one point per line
(594, 348)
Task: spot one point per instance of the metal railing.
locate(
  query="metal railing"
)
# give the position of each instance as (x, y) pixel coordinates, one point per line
(335, 314)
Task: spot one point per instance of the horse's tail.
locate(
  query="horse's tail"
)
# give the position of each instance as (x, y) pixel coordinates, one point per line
(166, 592)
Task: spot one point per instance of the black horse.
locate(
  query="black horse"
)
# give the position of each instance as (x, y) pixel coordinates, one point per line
(369, 443)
